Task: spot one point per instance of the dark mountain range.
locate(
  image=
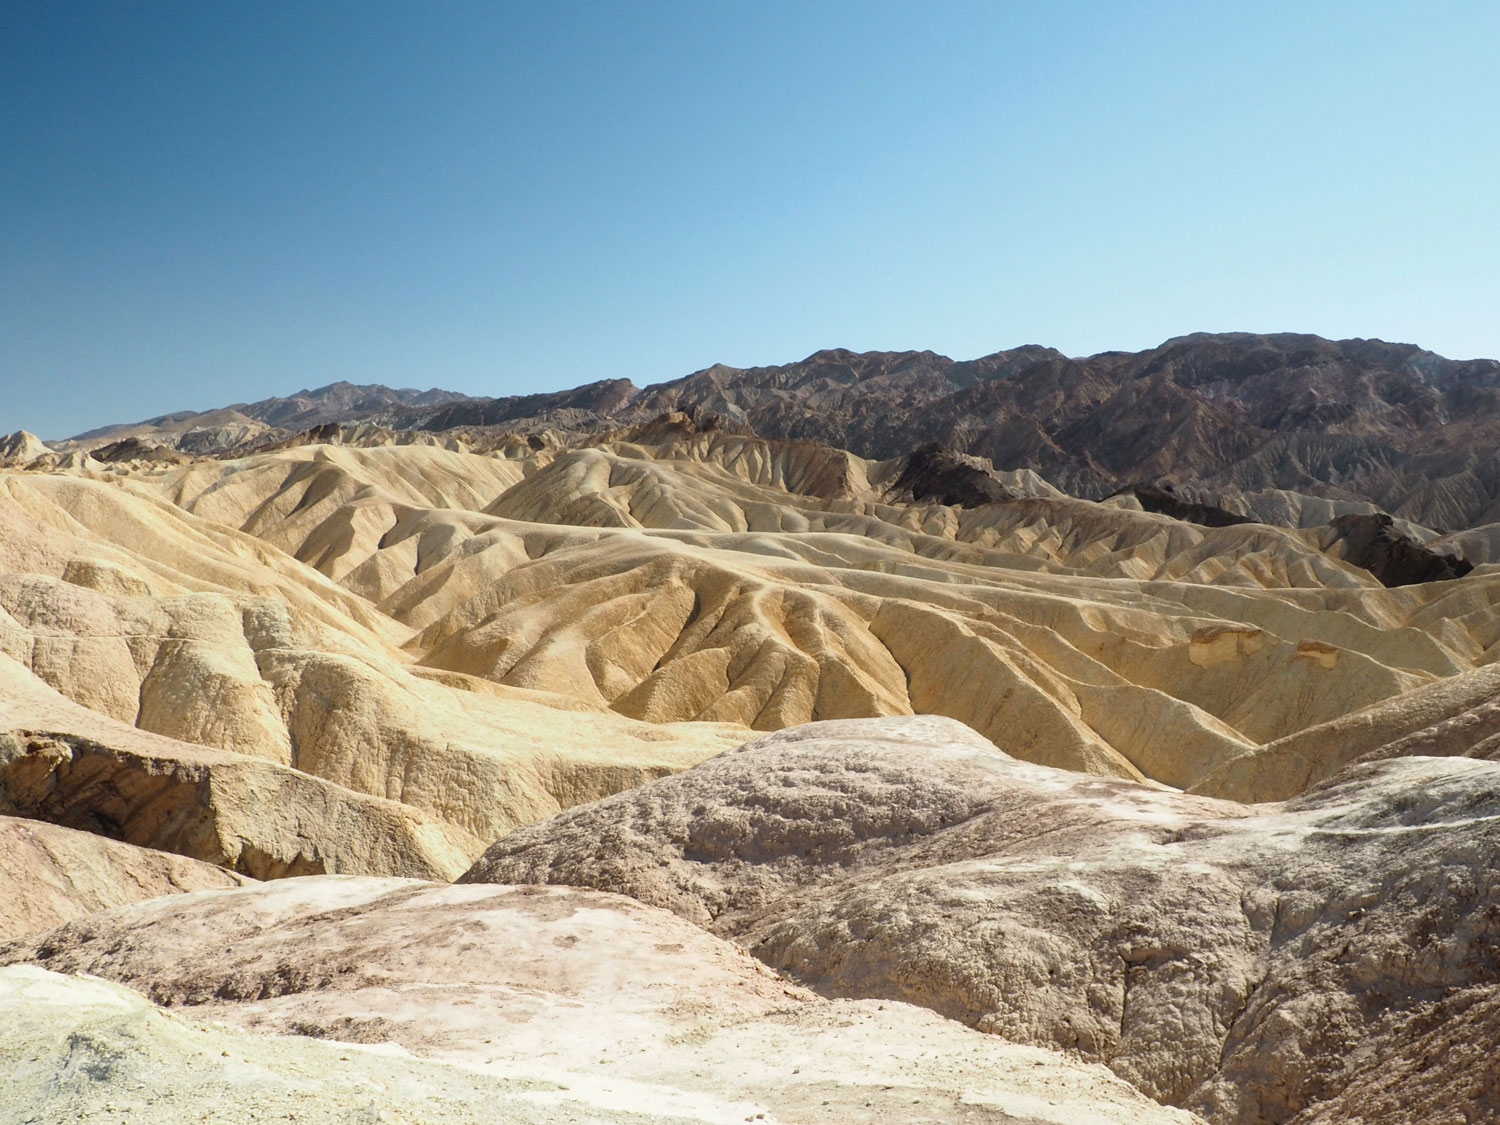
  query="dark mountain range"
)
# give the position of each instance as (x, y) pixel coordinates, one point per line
(337, 402)
(1219, 417)
(1352, 420)
(584, 407)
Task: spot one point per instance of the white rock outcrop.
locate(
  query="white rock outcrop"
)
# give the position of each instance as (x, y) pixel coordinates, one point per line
(503, 1003)
(1248, 963)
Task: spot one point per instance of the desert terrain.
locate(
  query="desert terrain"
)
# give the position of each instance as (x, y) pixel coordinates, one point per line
(874, 738)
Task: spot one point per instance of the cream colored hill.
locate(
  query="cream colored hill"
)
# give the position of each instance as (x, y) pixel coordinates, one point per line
(489, 1004)
(563, 609)
(50, 875)
(1285, 508)
(1479, 545)
(1279, 964)
(145, 614)
(62, 763)
(462, 605)
(21, 449)
(681, 581)
(1457, 716)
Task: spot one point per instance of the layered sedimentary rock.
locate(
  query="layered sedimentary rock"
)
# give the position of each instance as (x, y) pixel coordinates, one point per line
(545, 623)
(81, 770)
(179, 640)
(1249, 964)
(699, 584)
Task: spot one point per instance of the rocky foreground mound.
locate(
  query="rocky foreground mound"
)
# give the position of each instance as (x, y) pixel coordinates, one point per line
(482, 1004)
(957, 935)
(1326, 959)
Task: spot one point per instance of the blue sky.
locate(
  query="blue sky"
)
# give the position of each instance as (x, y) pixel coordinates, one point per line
(203, 203)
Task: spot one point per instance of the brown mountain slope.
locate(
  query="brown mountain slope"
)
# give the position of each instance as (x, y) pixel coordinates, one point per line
(1351, 420)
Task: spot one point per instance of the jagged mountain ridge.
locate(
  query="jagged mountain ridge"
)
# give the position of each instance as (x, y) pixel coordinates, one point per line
(1217, 416)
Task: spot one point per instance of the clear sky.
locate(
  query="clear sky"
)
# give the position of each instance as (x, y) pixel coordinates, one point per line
(203, 203)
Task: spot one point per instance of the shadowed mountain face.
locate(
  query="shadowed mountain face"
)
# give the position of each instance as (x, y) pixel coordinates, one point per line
(1230, 414)
(1169, 504)
(1373, 543)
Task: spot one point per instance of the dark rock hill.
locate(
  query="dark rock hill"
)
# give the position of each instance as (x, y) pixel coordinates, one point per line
(1396, 559)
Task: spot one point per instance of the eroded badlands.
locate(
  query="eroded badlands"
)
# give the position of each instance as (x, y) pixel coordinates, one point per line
(1105, 815)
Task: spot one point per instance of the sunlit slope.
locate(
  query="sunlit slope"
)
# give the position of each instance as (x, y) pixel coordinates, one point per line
(682, 580)
(151, 616)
